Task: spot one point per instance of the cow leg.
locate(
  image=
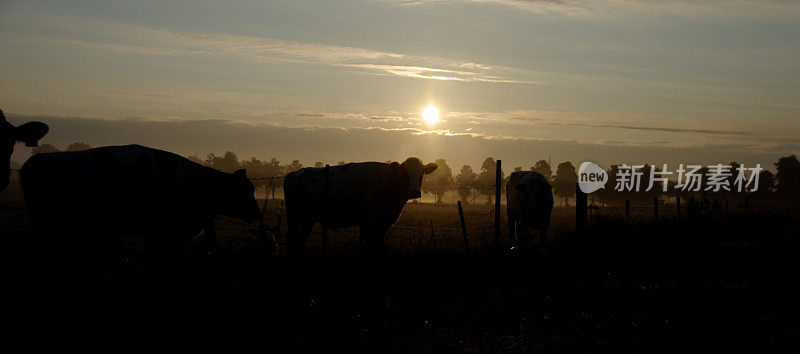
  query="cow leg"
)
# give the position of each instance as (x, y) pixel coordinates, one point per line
(543, 232)
(523, 230)
(292, 232)
(512, 230)
(297, 236)
(162, 249)
(374, 238)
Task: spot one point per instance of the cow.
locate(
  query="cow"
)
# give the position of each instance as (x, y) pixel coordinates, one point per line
(87, 200)
(529, 202)
(29, 133)
(369, 195)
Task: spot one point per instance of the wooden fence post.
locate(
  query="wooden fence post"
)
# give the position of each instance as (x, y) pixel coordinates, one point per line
(627, 209)
(580, 209)
(655, 207)
(498, 183)
(325, 199)
(463, 227)
(432, 240)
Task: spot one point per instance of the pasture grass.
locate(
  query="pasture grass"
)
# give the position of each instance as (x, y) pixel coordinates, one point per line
(706, 281)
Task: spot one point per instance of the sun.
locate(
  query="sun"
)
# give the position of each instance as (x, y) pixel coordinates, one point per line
(430, 115)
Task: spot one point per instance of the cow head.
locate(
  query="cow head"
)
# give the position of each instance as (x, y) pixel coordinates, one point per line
(29, 133)
(238, 198)
(537, 200)
(416, 170)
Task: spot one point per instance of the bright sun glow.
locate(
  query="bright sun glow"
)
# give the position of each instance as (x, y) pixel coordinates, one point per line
(430, 115)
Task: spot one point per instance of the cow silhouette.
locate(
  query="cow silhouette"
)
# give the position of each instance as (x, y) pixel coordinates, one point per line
(369, 195)
(29, 133)
(86, 200)
(529, 202)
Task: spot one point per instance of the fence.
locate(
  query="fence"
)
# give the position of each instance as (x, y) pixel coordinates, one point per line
(417, 231)
(465, 226)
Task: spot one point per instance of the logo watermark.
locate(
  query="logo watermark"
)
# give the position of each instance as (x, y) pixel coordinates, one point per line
(591, 177)
(691, 178)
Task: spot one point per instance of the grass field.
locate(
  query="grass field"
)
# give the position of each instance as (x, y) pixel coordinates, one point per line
(712, 282)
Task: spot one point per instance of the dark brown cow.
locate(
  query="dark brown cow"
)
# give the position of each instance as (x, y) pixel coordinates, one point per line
(93, 197)
(370, 195)
(29, 133)
(529, 202)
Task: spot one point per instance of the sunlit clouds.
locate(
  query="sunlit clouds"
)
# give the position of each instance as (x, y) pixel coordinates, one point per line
(674, 74)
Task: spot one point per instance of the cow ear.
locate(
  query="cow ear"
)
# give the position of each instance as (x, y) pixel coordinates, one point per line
(241, 172)
(520, 188)
(31, 132)
(429, 168)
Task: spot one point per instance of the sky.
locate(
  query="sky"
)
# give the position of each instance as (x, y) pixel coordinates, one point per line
(609, 81)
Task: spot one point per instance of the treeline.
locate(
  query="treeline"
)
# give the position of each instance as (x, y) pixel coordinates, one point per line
(470, 185)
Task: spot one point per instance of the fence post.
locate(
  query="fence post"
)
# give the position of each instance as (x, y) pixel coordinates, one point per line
(678, 205)
(432, 240)
(655, 207)
(326, 171)
(498, 183)
(580, 209)
(627, 209)
(463, 227)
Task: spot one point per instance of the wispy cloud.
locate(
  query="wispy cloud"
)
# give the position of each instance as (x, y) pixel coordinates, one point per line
(620, 7)
(644, 128)
(478, 74)
(129, 39)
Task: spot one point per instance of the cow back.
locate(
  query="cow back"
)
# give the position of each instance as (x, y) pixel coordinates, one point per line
(351, 194)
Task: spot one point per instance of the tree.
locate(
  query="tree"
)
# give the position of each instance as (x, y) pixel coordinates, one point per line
(766, 182)
(543, 167)
(195, 158)
(564, 181)
(44, 148)
(273, 168)
(78, 147)
(440, 181)
(227, 163)
(319, 164)
(255, 169)
(294, 166)
(788, 176)
(465, 181)
(487, 178)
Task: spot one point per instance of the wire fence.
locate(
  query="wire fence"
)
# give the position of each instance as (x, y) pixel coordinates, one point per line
(426, 226)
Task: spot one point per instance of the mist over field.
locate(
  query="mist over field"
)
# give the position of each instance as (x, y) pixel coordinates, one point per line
(331, 145)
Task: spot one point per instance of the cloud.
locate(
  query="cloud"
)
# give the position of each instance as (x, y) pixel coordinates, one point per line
(618, 8)
(421, 72)
(642, 128)
(129, 39)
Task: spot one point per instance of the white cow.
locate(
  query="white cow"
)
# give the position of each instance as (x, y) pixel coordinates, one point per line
(529, 202)
(370, 195)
